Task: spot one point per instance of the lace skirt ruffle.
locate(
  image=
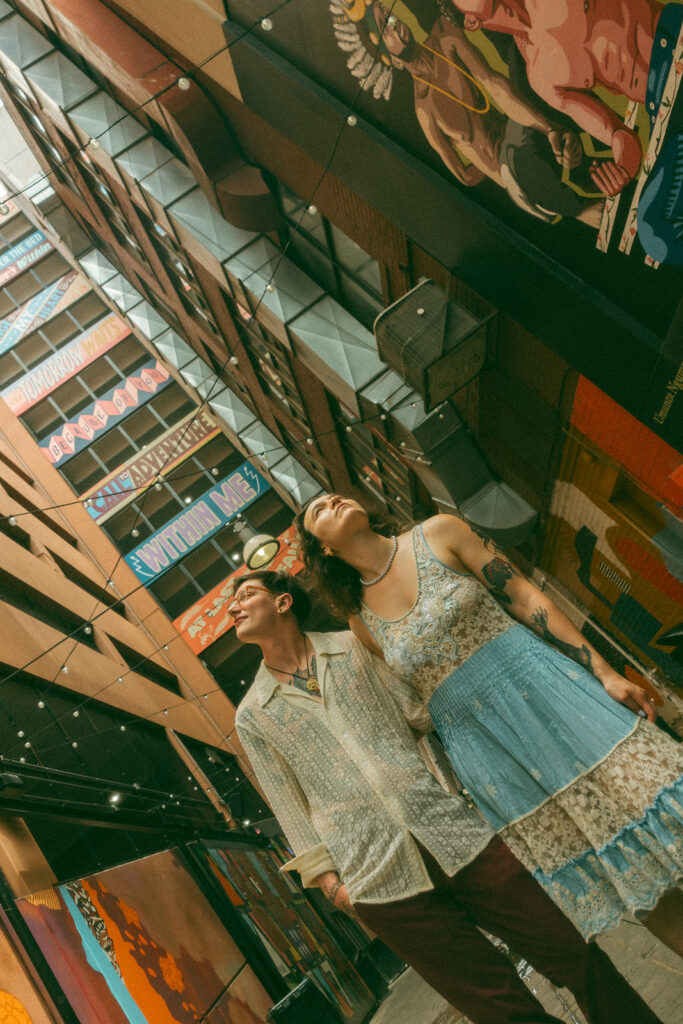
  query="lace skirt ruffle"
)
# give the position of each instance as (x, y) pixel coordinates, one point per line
(629, 875)
(594, 870)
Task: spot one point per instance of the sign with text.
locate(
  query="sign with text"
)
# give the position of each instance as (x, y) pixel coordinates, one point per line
(65, 364)
(197, 523)
(208, 619)
(119, 488)
(47, 303)
(106, 412)
(22, 255)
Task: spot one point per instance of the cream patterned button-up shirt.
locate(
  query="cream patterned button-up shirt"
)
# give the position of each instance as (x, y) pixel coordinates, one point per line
(346, 781)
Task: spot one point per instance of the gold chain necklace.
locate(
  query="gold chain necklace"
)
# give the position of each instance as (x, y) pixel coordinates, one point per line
(430, 85)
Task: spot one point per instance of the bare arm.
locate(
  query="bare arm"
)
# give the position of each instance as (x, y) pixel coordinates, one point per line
(333, 888)
(529, 605)
(445, 146)
(498, 86)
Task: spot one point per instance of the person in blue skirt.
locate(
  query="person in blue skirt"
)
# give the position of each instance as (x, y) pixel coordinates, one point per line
(557, 750)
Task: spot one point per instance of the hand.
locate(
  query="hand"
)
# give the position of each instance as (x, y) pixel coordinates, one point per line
(609, 177)
(566, 148)
(630, 695)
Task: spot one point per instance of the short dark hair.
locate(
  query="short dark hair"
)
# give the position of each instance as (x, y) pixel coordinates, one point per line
(283, 583)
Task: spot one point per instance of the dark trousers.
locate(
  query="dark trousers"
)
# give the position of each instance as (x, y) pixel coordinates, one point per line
(436, 933)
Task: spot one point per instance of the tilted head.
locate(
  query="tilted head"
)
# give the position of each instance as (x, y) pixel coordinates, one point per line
(323, 527)
(265, 600)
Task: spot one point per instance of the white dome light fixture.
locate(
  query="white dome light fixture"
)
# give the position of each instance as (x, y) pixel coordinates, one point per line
(259, 548)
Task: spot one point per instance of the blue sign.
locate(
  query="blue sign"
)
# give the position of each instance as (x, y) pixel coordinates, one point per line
(22, 255)
(197, 523)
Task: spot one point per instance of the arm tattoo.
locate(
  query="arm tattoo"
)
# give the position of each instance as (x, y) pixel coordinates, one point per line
(497, 572)
(330, 889)
(581, 654)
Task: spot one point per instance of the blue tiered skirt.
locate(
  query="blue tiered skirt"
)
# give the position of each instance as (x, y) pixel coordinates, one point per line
(586, 794)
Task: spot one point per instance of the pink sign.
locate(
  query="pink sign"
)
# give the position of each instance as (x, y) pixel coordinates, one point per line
(65, 364)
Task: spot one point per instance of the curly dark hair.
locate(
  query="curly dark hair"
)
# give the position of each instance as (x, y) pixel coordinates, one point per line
(337, 582)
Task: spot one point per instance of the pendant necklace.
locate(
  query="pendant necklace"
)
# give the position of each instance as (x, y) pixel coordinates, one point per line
(385, 570)
(308, 682)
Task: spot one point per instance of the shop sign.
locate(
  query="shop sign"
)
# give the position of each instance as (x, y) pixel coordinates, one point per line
(174, 446)
(197, 523)
(106, 412)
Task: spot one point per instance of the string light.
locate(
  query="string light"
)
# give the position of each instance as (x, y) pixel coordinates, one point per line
(183, 83)
(311, 209)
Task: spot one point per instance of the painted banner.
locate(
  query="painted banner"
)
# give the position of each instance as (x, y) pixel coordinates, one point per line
(65, 364)
(47, 303)
(197, 523)
(208, 619)
(22, 255)
(124, 484)
(106, 412)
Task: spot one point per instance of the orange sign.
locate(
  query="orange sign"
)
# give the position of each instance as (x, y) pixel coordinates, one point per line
(208, 619)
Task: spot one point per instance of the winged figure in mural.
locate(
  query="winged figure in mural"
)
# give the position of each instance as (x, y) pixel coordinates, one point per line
(513, 143)
(633, 49)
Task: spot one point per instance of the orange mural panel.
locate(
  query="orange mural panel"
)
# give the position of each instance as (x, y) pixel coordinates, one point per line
(649, 459)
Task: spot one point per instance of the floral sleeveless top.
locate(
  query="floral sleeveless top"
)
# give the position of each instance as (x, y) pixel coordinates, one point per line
(454, 615)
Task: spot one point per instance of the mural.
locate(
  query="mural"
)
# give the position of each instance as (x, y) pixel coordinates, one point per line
(108, 410)
(128, 481)
(276, 911)
(64, 364)
(19, 1000)
(615, 537)
(556, 103)
(139, 944)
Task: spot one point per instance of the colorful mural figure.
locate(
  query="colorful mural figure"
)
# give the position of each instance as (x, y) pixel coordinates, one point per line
(513, 143)
(537, 121)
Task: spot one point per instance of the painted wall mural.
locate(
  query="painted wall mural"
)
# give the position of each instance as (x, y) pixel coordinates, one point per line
(22, 255)
(561, 105)
(65, 364)
(47, 303)
(140, 944)
(615, 535)
(277, 912)
(20, 1002)
(129, 481)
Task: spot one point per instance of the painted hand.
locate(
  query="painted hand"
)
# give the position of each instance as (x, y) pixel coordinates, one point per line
(567, 148)
(630, 695)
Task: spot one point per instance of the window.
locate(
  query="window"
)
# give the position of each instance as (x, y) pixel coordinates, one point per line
(331, 258)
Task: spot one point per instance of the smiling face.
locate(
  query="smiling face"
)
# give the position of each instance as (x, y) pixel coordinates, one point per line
(254, 611)
(332, 519)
